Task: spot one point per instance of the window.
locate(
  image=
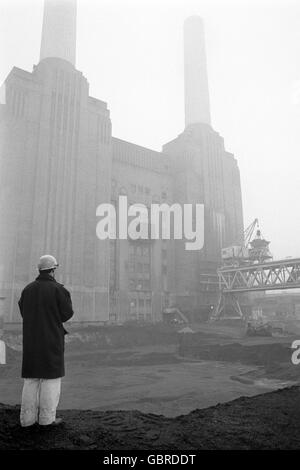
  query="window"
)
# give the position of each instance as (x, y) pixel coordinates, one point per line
(146, 267)
(145, 251)
(131, 266)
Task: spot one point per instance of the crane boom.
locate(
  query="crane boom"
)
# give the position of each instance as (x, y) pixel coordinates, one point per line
(253, 249)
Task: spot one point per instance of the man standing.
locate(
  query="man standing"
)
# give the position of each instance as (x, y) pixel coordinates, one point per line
(44, 305)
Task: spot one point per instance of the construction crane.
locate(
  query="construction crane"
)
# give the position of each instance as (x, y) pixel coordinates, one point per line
(249, 231)
(254, 250)
(251, 268)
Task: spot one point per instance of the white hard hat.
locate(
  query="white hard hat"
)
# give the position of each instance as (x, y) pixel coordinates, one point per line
(47, 262)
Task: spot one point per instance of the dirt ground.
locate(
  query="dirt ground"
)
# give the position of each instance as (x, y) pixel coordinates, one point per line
(150, 388)
(151, 379)
(170, 374)
(267, 421)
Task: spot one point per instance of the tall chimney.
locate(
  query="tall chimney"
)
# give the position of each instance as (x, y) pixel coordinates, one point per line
(59, 30)
(197, 109)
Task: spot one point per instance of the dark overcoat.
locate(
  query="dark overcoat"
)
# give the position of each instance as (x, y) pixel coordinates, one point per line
(44, 305)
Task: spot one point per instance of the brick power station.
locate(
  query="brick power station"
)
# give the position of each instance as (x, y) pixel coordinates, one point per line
(59, 161)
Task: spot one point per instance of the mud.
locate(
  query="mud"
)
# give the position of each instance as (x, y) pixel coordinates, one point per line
(267, 421)
(155, 369)
(150, 387)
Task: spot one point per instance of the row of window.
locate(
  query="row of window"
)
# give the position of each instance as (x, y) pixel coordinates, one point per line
(141, 303)
(135, 267)
(138, 250)
(146, 190)
(140, 284)
(139, 189)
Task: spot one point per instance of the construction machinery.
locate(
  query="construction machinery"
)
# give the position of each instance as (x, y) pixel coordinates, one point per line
(258, 328)
(249, 268)
(254, 277)
(174, 315)
(252, 251)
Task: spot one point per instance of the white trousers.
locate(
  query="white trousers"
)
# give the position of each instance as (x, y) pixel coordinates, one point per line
(2, 352)
(40, 399)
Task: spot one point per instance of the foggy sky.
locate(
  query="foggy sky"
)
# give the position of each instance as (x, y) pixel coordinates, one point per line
(132, 55)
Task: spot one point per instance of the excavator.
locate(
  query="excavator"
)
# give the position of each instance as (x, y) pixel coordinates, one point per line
(174, 315)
